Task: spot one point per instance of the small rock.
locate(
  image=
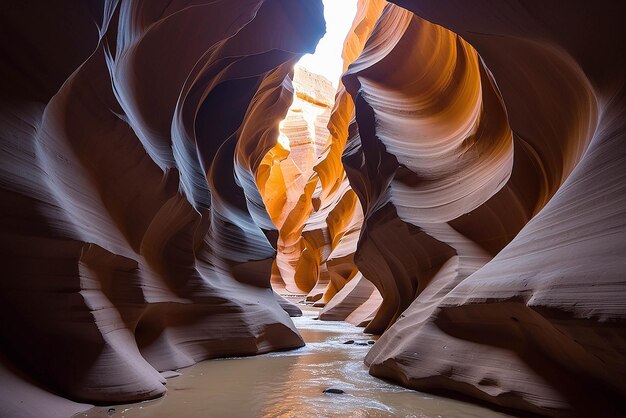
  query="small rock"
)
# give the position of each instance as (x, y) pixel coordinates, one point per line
(316, 318)
(111, 411)
(349, 342)
(168, 374)
(371, 342)
(334, 390)
(361, 343)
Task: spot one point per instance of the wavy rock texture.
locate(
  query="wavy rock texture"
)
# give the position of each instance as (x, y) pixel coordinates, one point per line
(415, 140)
(351, 304)
(469, 201)
(317, 214)
(287, 182)
(346, 218)
(134, 238)
(446, 185)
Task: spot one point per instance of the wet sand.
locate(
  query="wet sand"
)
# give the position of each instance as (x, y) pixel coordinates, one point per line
(291, 384)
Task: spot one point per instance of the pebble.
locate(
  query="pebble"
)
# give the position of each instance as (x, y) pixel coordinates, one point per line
(334, 390)
(168, 374)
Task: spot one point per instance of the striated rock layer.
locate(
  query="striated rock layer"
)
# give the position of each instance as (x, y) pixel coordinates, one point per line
(287, 182)
(468, 200)
(446, 185)
(134, 239)
(319, 223)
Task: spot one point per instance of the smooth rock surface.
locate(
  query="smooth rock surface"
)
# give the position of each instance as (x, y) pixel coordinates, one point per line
(133, 237)
(467, 202)
(541, 326)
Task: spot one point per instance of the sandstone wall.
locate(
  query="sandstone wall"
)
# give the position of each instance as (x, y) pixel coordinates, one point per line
(134, 239)
(540, 327)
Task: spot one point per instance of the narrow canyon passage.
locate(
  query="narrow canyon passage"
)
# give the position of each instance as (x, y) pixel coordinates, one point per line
(169, 184)
(291, 384)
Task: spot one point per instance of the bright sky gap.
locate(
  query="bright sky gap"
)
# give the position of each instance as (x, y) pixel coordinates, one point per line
(327, 60)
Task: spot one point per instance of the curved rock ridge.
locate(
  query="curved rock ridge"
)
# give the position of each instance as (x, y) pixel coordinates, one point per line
(334, 182)
(463, 195)
(446, 185)
(287, 181)
(434, 135)
(315, 209)
(134, 238)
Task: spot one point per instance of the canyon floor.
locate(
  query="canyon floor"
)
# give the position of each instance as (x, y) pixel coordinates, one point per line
(291, 384)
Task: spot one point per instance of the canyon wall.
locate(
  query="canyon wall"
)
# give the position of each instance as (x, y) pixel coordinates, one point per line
(134, 239)
(468, 201)
(446, 186)
(312, 205)
(319, 222)
(288, 184)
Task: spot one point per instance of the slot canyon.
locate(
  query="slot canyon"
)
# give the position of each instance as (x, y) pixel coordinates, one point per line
(179, 198)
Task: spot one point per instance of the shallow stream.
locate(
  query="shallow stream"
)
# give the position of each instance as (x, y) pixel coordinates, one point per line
(291, 384)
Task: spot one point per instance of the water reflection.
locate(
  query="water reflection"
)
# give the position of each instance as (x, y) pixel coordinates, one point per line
(291, 384)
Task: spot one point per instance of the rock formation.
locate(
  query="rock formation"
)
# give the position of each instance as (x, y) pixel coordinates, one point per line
(320, 223)
(468, 200)
(287, 182)
(134, 238)
(540, 327)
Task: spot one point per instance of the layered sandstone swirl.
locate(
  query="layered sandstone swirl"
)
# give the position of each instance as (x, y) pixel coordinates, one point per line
(462, 193)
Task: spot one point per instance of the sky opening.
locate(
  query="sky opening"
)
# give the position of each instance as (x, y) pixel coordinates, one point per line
(327, 60)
